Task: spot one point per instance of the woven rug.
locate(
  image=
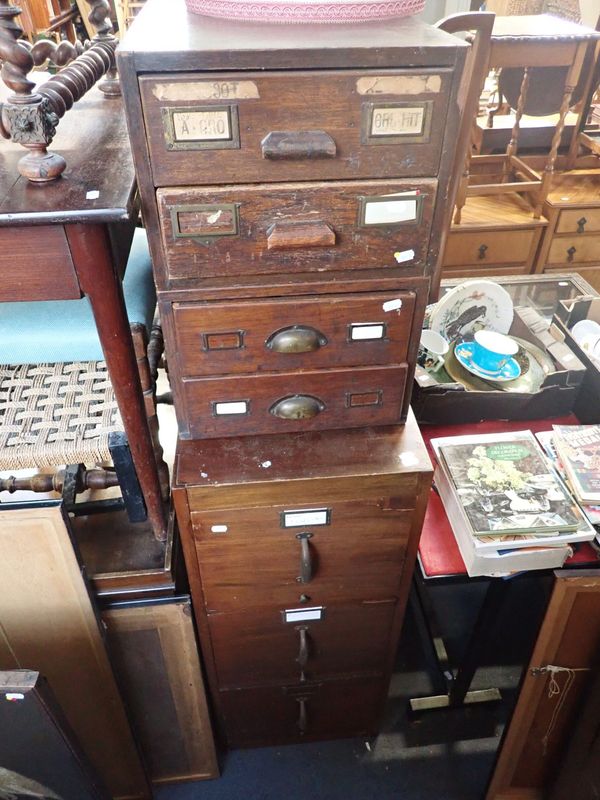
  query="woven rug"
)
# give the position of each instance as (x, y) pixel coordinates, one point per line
(53, 414)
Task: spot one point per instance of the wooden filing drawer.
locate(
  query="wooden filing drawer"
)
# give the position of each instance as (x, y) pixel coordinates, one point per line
(583, 220)
(288, 402)
(251, 230)
(301, 712)
(254, 647)
(277, 126)
(489, 247)
(329, 551)
(567, 251)
(268, 335)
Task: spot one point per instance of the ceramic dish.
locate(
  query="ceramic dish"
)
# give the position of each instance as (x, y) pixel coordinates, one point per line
(288, 11)
(471, 306)
(510, 370)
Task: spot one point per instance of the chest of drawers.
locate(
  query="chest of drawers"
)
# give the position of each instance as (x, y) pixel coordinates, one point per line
(300, 551)
(294, 184)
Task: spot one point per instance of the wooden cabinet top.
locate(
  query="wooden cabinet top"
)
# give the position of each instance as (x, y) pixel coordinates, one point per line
(357, 453)
(99, 182)
(575, 189)
(166, 37)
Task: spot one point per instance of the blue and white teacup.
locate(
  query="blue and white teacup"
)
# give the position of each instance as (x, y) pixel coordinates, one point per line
(491, 351)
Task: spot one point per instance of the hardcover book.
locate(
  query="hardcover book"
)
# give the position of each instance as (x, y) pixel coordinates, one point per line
(579, 449)
(505, 485)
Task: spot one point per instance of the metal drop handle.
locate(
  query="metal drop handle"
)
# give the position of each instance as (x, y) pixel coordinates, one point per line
(302, 716)
(581, 224)
(482, 251)
(570, 253)
(303, 651)
(306, 567)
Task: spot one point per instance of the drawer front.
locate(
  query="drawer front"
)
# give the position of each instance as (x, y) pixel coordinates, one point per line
(569, 250)
(324, 551)
(263, 127)
(301, 712)
(488, 247)
(296, 228)
(279, 645)
(292, 402)
(583, 220)
(263, 336)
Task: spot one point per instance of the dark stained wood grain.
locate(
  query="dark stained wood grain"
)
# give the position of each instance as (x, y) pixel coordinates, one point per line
(255, 646)
(333, 389)
(338, 105)
(178, 41)
(202, 254)
(36, 264)
(218, 338)
(240, 568)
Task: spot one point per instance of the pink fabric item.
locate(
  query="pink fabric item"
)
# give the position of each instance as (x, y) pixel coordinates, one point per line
(290, 12)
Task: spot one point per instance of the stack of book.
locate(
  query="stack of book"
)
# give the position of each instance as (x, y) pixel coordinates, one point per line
(509, 509)
(575, 452)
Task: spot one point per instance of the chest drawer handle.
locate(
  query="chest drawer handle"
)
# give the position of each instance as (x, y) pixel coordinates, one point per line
(302, 716)
(296, 235)
(303, 651)
(298, 406)
(482, 251)
(581, 224)
(292, 145)
(571, 252)
(306, 566)
(296, 339)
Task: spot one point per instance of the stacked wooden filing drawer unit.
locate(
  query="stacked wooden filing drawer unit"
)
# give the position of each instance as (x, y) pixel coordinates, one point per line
(293, 182)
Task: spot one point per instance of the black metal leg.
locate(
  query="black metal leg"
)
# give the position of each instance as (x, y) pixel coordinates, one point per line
(128, 480)
(431, 642)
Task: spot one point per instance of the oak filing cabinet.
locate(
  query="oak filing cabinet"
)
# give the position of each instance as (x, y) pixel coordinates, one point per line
(294, 184)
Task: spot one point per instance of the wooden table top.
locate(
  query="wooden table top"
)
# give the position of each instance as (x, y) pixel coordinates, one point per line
(98, 184)
(165, 36)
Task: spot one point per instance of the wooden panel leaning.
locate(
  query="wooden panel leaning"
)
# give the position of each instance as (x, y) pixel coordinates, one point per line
(61, 638)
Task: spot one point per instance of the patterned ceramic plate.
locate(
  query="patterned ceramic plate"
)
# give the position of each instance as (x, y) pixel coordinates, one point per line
(471, 306)
(290, 11)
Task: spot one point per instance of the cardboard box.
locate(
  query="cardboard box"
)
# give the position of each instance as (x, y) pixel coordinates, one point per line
(439, 402)
(587, 404)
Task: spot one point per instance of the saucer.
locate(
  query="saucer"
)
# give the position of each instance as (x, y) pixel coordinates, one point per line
(509, 372)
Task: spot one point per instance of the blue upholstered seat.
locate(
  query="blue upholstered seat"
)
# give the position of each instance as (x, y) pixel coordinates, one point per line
(64, 330)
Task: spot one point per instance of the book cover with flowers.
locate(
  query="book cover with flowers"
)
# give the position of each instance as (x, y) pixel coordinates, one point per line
(506, 487)
(579, 450)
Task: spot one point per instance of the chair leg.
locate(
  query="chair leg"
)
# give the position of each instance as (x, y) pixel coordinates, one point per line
(128, 480)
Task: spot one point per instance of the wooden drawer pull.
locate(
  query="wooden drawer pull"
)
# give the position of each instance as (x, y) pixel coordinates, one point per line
(296, 339)
(299, 406)
(295, 235)
(298, 145)
(303, 651)
(302, 717)
(306, 567)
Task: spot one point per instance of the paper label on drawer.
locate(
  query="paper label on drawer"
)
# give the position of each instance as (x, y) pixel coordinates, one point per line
(201, 126)
(404, 255)
(303, 614)
(397, 121)
(206, 90)
(302, 518)
(399, 84)
(390, 209)
(236, 407)
(360, 332)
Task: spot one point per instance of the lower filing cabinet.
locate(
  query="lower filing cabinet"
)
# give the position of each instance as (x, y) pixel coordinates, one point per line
(300, 551)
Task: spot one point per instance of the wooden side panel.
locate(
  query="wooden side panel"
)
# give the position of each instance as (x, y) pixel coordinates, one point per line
(48, 623)
(543, 720)
(36, 264)
(153, 648)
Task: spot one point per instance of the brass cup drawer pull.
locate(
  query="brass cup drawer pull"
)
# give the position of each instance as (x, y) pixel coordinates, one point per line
(306, 564)
(298, 406)
(296, 339)
(293, 145)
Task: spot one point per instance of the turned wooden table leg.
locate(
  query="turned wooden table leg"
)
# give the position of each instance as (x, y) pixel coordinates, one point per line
(98, 280)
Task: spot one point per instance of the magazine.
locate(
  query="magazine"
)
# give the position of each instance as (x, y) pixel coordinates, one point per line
(505, 485)
(579, 449)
